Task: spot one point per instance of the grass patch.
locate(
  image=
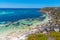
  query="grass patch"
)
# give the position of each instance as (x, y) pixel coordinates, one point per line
(55, 35)
(37, 37)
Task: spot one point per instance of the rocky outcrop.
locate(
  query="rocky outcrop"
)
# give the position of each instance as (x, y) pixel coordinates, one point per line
(54, 14)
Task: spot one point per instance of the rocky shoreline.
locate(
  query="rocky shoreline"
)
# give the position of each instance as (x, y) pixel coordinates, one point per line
(52, 24)
(44, 28)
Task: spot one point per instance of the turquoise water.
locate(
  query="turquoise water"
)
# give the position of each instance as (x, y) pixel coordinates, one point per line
(16, 19)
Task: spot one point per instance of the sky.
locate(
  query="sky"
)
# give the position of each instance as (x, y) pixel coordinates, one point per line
(29, 3)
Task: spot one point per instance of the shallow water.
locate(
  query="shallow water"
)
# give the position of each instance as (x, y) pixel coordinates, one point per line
(17, 19)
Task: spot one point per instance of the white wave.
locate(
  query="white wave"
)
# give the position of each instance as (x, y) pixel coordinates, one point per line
(4, 12)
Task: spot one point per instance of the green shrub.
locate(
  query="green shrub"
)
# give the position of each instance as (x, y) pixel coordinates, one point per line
(55, 35)
(37, 37)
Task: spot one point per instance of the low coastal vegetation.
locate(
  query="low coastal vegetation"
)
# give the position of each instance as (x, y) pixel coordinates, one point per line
(55, 14)
(53, 27)
(38, 37)
(55, 35)
(52, 35)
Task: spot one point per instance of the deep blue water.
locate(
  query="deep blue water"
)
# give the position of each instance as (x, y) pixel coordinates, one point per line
(11, 14)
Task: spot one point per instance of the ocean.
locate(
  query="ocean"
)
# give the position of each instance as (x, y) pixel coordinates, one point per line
(15, 14)
(15, 21)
